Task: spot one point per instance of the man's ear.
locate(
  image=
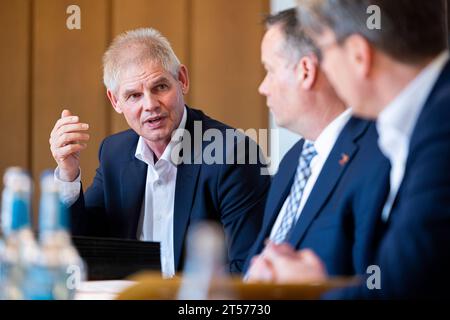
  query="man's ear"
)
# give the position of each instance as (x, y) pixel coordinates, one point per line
(360, 54)
(307, 69)
(114, 101)
(183, 77)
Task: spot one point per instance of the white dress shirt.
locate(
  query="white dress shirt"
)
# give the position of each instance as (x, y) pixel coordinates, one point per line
(156, 222)
(396, 122)
(323, 145)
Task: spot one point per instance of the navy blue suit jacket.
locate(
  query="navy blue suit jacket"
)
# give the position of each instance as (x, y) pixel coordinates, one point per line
(232, 194)
(414, 255)
(335, 220)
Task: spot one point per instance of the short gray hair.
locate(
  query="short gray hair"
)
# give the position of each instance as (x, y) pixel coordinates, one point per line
(412, 30)
(297, 43)
(149, 45)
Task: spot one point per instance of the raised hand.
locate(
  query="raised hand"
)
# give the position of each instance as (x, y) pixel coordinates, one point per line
(67, 139)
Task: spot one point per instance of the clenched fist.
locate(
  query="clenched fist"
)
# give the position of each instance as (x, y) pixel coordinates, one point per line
(67, 139)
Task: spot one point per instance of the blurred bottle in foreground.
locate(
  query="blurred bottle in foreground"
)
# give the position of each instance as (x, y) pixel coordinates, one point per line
(204, 275)
(19, 249)
(59, 269)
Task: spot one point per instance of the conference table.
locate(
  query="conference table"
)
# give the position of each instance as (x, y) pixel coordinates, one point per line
(151, 286)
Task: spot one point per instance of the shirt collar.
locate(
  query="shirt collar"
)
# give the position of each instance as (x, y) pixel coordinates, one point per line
(401, 114)
(145, 154)
(325, 141)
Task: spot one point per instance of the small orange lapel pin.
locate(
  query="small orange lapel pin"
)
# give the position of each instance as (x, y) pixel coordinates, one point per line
(344, 159)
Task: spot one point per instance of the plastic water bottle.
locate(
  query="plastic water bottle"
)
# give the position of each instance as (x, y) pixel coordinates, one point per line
(19, 248)
(59, 269)
(205, 263)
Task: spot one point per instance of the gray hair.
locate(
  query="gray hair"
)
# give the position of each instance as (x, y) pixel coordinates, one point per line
(297, 43)
(411, 29)
(137, 46)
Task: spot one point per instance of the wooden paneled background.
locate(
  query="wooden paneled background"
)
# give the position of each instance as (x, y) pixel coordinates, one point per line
(45, 67)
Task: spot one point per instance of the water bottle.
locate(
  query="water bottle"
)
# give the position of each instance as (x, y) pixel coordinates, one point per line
(59, 269)
(19, 248)
(205, 264)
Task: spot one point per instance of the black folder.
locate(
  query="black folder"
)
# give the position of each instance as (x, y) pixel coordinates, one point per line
(109, 259)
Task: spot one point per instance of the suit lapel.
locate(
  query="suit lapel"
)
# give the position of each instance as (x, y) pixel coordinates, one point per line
(282, 186)
(185, 189)
(132, 190)
(420, 127)
(186, 186)
(338, 160)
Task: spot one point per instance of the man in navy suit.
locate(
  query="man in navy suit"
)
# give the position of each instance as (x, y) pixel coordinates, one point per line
(322, 205)
(161, 176)
(399, 74)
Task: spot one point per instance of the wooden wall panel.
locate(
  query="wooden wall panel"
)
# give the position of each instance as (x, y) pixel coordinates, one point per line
(14, 83)
(46, 67)
(225, 60)
(67, 73)
(169, 17)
